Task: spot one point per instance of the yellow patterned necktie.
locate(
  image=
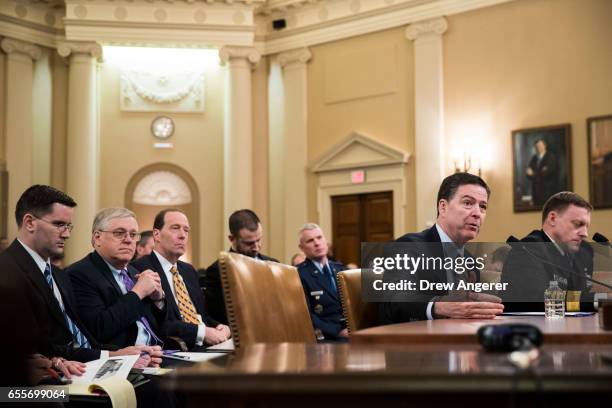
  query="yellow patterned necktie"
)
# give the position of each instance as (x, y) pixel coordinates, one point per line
(184, 301)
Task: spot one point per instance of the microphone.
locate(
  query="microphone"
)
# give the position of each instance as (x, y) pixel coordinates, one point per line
(566, 270)
(601, 239)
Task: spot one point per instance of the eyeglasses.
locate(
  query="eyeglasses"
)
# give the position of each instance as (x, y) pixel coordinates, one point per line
(121, 234)
(60, 226)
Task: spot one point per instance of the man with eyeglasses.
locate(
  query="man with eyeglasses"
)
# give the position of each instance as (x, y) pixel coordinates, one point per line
(43, 216)
(187, 319)
(245, 238)
(118, 304)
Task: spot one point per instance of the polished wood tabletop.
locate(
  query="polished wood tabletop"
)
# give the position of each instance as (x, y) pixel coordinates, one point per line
(568, 330)
(332, 375)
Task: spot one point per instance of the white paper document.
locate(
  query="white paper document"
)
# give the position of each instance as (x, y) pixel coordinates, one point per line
(227, 345)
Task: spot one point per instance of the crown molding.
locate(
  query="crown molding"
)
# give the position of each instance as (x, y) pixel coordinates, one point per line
(11, 45)
(348, 24)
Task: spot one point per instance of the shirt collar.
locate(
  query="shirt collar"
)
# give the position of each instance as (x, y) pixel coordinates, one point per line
(556, 245)
(40, 262)
(165, 264)
(114, 270)
(446, 239)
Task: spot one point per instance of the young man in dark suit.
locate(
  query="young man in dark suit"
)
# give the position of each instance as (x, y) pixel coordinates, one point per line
(462, 206)
(44, 217)
(118, 304)
(556, 252)
(318, 276)
(186, 317)
(245, 237)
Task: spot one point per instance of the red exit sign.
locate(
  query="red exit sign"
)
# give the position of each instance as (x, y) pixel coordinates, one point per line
(358, 176)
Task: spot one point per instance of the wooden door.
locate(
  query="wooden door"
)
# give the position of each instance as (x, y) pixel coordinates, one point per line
(360, 218)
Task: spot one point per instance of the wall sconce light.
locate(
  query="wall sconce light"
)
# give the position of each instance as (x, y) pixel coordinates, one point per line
(463, 162)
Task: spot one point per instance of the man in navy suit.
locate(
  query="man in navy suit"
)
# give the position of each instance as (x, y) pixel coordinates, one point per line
(462, 208)
(44, 217)
(117, 304)
(186, 317)
(318, 276)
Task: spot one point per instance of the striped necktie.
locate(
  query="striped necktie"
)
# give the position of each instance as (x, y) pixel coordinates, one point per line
(185, 304)
(79, 338)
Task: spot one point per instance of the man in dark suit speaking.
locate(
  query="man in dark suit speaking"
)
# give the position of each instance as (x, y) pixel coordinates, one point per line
(186, 317)
(462, 208)
(117, 304)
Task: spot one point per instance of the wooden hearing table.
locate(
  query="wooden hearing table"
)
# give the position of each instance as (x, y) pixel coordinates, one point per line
(567, 330)
(299, 375)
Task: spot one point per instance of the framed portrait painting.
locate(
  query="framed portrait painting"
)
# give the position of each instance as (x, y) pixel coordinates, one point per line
(542, 165)
(600, 161)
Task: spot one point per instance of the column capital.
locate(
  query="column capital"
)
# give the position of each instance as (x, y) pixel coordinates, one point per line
(64, 49)
(10, 45)
(435, 26)
(250, 54)
(299, 56)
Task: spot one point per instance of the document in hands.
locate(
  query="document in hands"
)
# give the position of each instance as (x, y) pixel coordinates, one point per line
(108, 375)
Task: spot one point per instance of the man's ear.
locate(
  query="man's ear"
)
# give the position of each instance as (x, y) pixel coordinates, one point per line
(552, 218)
(27, 222)
(442, 206)
(156, 233)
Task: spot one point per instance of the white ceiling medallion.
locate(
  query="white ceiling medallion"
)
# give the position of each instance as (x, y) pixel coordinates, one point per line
(162, 188)
(143, 91)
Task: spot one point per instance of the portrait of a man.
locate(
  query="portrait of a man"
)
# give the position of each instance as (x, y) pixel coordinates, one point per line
(542, 165)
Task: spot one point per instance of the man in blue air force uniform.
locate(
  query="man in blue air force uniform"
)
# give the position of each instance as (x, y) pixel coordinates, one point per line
(318, 276)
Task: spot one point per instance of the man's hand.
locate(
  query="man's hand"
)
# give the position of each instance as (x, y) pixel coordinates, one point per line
(147, 284)
(38, 368)
(67, 367)
(467, 310)
(150, 356)
(343, 333)
(213, 336)
(529, 171)
(225, 330)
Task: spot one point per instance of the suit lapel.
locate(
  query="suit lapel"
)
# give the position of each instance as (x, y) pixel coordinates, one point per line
(105, 271)
(35, 276)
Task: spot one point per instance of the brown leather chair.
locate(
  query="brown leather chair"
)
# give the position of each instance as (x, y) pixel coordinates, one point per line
(359, 314)
(265, 301)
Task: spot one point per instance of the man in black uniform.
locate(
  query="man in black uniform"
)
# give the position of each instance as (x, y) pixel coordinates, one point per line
(245, 237)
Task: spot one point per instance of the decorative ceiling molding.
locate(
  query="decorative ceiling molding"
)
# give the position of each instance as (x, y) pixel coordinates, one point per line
(358, 151)
(216, 23)
(67, 48)
(436, 26)
(340, 19)
(227, 54)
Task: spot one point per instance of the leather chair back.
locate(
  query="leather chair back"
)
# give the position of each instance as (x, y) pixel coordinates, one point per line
(359, 314)
(264, 301)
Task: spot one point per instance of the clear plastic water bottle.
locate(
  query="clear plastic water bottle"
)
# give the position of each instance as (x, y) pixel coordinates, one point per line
(554, 301)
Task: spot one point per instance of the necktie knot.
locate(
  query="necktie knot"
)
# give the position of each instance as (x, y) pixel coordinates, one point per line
(173, 270)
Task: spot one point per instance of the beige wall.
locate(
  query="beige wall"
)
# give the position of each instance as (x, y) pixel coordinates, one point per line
(526, 64)
(363, 84)
(126, 145)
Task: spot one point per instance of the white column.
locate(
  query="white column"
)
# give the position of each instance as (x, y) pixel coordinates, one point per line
(429, 115)
(295, 136)
(238, 130)
(82, 142)
(19, 119)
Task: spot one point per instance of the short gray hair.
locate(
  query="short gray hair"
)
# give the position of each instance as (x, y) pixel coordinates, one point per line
(108, 214)
(308, 226)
